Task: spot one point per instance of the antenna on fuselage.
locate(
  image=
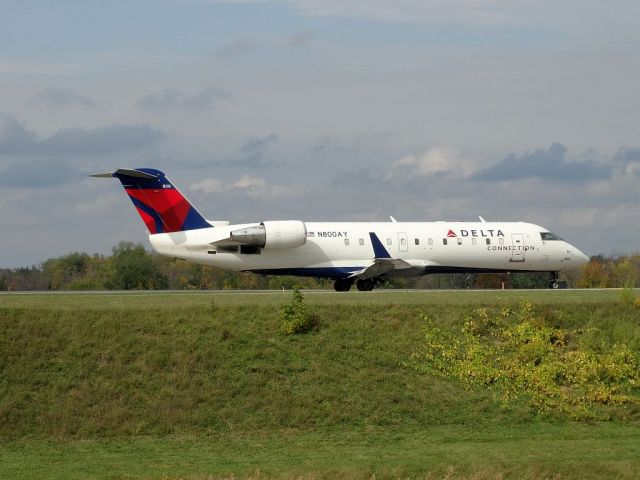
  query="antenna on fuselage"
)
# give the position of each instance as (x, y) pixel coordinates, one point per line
(482, 219)
(393, 219)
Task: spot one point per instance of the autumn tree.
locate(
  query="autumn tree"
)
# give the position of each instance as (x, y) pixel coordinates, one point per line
(594, 275)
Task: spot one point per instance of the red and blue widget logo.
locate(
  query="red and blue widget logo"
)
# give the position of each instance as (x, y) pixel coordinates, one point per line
(161, 206)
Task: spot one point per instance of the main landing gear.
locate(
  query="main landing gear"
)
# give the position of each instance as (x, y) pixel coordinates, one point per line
(555, 283)
(343, 284)
(363, 285)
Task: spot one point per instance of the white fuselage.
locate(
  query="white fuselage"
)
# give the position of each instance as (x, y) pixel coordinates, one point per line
(336, 250)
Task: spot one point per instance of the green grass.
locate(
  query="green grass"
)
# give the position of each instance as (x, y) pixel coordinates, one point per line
(142, 299)
(192, 386)
(531, 451)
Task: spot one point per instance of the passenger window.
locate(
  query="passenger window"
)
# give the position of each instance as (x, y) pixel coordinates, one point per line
(389, 241)
(346, 242)
(444, 241)
(431, 242)
(474, 241)
(501, 241)
(459, 241)
(417, 241)
(403, 241)
(361, 241)
(488, 241)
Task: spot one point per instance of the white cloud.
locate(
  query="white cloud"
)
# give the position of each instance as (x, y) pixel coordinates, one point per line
(247, 182)
(247, 185)
(208, 185)
(441, 160)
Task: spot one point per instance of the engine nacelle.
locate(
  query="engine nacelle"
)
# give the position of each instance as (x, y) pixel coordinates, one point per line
(274, 234)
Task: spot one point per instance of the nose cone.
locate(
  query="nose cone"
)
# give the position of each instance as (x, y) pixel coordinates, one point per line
(581, 258)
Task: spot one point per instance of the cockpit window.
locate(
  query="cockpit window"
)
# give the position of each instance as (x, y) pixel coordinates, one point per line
(549, 236)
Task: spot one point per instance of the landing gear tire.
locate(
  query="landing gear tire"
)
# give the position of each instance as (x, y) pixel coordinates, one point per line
(555, 283)
(365, 285)
(342, 285)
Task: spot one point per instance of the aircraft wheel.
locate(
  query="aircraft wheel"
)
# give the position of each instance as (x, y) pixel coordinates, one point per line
(365, 285)
(554, 285)
(342, 285)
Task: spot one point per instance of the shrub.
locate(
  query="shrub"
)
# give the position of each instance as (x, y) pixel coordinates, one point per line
(518, 355)
(628, 296)
(295, 316)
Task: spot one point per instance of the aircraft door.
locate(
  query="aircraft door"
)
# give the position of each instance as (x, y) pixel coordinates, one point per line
(403, 243)
(517, 247)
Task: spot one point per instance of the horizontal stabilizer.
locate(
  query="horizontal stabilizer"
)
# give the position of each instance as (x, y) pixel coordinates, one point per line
(127, 172)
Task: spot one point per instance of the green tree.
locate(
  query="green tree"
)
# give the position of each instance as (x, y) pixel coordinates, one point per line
(63, 270)
(133, 268)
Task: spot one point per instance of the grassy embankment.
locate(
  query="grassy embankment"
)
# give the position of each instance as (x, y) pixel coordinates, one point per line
(146, 386)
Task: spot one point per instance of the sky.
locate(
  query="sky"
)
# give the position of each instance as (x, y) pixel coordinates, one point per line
(319, 110)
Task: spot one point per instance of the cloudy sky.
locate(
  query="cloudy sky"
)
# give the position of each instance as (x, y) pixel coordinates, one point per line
(319, 110)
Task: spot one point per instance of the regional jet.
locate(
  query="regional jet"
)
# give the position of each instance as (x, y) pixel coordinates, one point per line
(360, 253)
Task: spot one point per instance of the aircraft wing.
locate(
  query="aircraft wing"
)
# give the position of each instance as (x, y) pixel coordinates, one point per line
(381, 266)
(383, 263)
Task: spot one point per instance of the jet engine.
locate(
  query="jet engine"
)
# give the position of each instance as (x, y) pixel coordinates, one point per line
(274, 234)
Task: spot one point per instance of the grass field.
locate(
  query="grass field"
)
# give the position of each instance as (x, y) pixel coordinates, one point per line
(204, 385)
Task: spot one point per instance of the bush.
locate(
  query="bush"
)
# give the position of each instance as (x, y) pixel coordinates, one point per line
(516, 353)
(628, 296)
(295, 317)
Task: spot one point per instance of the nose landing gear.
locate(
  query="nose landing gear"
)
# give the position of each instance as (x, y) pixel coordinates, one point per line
(555, 283)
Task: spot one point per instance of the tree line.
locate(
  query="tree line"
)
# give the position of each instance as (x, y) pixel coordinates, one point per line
(132, 267)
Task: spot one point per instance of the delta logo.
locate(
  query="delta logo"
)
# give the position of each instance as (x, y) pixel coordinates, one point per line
(476, 233)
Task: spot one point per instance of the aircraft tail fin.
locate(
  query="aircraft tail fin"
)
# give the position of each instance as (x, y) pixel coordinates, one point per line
(161, 206)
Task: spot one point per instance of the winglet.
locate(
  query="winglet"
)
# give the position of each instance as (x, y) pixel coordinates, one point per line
(378, 249)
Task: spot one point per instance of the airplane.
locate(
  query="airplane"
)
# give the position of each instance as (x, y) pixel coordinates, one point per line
(361, 253)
